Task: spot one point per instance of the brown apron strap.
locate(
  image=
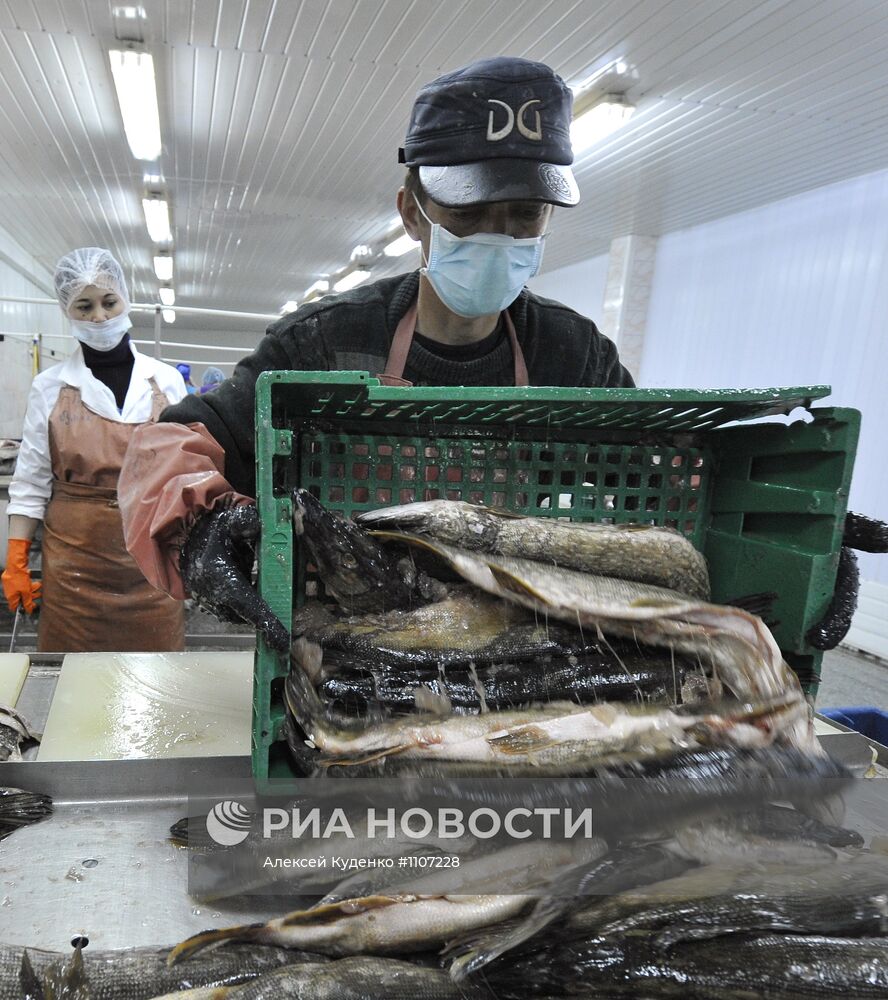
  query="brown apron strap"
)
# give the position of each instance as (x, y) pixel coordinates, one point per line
(520, 364)
(403, 338)
(397, 359)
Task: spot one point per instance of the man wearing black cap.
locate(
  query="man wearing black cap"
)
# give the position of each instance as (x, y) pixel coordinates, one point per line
(488, 156)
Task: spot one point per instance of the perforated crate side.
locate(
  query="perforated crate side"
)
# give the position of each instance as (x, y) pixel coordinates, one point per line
(776, 521)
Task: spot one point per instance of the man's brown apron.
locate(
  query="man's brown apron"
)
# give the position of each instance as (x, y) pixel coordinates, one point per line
(95, 598)
(403, 339)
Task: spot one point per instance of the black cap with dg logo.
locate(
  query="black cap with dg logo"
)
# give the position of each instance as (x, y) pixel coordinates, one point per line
(496, 130)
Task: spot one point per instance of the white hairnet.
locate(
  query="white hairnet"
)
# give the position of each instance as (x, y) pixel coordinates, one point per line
(88, 266)
(213, 376)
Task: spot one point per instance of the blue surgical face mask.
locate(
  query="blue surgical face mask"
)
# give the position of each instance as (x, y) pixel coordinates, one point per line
(481, 274)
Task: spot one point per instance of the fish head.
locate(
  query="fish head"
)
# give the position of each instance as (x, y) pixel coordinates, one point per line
(349, 561)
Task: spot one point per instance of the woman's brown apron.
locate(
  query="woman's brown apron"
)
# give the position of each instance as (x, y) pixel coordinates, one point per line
(95, 598)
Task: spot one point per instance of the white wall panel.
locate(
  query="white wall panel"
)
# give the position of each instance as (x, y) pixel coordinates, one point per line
(792, 293)
(21, 275)
(869, 630)
(580, 286)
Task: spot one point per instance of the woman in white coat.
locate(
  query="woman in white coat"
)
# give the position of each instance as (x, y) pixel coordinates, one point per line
(80, 416)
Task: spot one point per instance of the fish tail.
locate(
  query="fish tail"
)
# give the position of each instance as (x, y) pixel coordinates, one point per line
(28, 981)
(467, 954)
(475, 949)
(65, 977)
(213, 938)
(19, 808)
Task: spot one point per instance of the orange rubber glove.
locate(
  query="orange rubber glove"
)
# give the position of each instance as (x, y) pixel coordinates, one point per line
(18, 587)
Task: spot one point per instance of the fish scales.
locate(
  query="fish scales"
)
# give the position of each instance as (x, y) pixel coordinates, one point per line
(143, 973)
(825, 897)
(558, 732)
(773, 833)
(359, 978)
(579, 677)
(769, 967)
(739, 645)
(646, 553)
(466, 625)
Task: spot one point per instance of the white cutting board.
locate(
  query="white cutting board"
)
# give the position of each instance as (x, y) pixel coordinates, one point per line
(13, 670)
(113, 706)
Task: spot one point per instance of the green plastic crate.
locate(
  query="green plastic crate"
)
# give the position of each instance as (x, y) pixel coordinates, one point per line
(764, 502)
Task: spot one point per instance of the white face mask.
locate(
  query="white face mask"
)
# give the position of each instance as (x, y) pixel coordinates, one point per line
(481, 274)
(101, 336)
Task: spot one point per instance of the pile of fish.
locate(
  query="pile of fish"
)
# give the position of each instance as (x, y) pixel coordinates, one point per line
(454, 642)
(481, 640)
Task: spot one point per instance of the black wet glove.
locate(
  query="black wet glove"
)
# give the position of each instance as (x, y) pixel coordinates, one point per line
(216, 562)
(867, 535)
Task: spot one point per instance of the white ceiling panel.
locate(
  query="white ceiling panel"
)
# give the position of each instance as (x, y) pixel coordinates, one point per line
(281, 121)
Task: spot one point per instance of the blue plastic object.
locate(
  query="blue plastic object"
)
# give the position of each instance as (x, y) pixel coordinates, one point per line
(866, 720)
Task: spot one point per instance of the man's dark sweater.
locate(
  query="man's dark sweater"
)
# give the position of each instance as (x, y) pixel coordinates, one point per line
(353, 332)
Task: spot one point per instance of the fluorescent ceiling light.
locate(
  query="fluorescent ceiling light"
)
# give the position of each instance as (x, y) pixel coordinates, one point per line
(318, 288)
(615, 77)
(289, 306)
(400, 246)
(157, 219)
(351, 279)
(599, 121)
(169, 315)
(361, 251)
(133, 74)
(167, 296)
(163, 268)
